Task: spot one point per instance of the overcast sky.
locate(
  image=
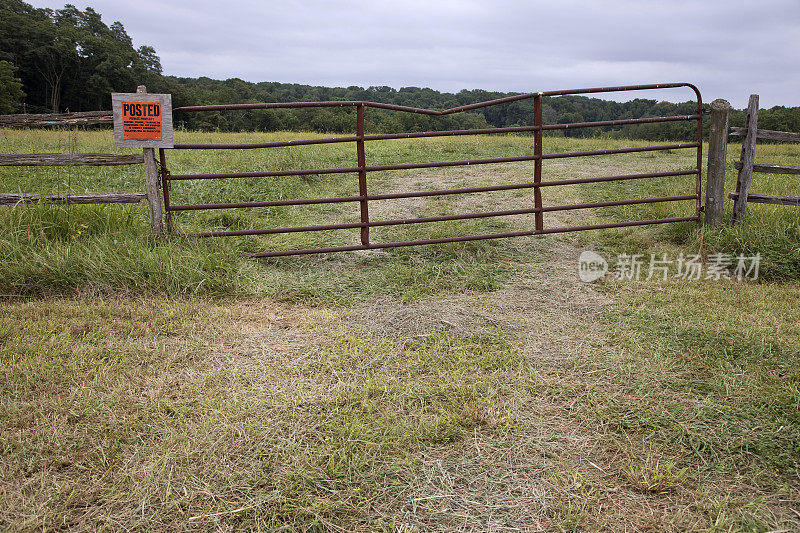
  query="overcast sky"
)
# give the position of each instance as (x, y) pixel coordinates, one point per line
(729, 48)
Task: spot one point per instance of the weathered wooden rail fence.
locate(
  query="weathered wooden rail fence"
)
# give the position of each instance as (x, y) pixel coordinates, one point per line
(84, 118)
(750, 133)
(88, 118)
(62, 160)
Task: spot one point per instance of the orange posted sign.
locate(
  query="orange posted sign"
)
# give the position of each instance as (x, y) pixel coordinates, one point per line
(141, 121)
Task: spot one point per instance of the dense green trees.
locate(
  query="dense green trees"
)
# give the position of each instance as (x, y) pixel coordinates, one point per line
(70, 59)
(777, 118)
(11, 94)
(562, 110)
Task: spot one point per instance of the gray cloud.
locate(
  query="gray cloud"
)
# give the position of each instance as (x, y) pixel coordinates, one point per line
(729, 48)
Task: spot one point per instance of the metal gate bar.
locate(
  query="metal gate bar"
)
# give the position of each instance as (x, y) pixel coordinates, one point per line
(444, 133)
(442, 218)
(362, 169)
(438, 192)
(434, 164)
(474, 237)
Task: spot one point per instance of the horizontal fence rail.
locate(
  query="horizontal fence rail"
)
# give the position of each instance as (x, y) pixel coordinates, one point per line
(746, 164)
(446, 133)
(771, 169)
(76, 198)
(362, 169)
(63, 160)
(31, 120)
(769, 135)
(774, 199)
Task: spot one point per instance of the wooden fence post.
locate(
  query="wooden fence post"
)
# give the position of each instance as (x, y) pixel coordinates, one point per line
(747, 159)
(151, 181)
(717, 151)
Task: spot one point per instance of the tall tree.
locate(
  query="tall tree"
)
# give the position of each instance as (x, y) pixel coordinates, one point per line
(55, 55)
(70, 58)
(11, 94)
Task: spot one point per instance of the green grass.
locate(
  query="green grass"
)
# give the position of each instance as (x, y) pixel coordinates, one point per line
(772, 231)
(75, 249)
(476, 385)
(306, 462)
(51, 249)
(739, 360)
(96, 250)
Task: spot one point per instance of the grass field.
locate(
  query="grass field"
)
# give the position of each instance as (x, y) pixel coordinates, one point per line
(150, 384)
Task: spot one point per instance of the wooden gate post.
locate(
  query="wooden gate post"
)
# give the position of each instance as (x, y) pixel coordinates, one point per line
(717, 151)
(747, 159)
(151, 182)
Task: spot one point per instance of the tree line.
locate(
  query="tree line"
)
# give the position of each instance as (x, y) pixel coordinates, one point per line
(70, 60)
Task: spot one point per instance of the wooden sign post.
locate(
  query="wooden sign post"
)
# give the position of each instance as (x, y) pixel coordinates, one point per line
(145, 121)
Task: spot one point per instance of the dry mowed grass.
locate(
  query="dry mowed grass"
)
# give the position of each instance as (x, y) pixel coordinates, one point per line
(472, 388)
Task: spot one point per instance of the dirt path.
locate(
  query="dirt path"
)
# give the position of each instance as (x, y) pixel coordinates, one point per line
(518, 478)
(488, 482)
(492, 479)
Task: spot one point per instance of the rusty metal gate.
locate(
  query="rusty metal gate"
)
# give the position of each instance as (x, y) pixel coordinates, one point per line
(364, 197)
